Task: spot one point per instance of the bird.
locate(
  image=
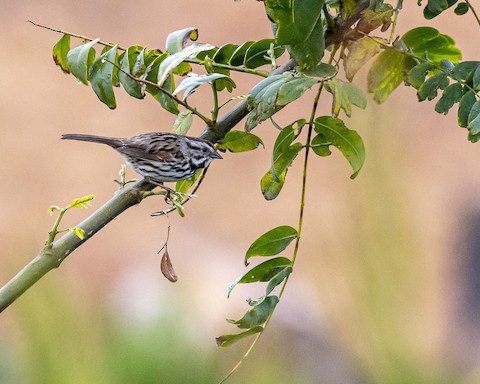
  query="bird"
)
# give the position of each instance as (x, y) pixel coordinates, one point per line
(159, 156)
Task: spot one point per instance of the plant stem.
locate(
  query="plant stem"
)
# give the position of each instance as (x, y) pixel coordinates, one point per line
(206, 120)
(394, 24)
(299, 230)
(193, 61)
(85, 38)
(473, 11)
(54, 231)
(215, 102)
(51, 257)
(230, 67)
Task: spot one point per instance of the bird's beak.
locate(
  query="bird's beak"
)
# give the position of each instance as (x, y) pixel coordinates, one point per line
(216, 155)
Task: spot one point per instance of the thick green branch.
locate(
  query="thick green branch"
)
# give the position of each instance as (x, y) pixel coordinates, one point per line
(50, 258)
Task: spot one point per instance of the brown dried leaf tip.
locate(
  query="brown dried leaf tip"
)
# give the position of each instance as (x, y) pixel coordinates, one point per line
(167, 268)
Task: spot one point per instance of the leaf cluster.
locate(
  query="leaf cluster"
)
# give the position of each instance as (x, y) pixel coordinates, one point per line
(436, 7)
(273, 272)
(140, 70)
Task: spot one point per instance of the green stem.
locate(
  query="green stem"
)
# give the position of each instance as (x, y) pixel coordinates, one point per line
(473, 11)
(206, 120)
(85, 38)
(54, 231)
(394, 24)
(299, 229)
(52, 256)
(229, 67)
(215, 102)
(193, 61)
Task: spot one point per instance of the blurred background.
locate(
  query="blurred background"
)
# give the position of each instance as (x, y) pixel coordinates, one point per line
(387, 284)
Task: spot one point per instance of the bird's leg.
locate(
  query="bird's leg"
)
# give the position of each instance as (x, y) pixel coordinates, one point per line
(168, 190)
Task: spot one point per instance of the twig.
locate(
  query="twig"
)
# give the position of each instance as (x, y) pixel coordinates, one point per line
(473, 11)
(84, 38)
(51, 257)
(168, 94)
(193, 61)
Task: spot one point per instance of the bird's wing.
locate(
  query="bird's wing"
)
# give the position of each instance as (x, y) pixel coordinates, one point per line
(139, 151)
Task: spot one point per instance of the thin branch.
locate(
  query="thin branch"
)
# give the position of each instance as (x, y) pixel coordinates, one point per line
(230, 67)
(85, 38)
(473, 11)
(51, 257)
(193, 61)
(168, 94)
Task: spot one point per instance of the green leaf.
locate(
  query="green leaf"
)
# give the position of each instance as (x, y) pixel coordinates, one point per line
(177, 40)
(82, 202)
(295, 19)
(272, 242)
(476, 79)
(190, 84)
(272, 94)
(386, 73)
(101, 77)
(461, 9)
(278, 278)
(152, 75)
(416, 75)
(359, 53)
(321, 146)
(465, 70)
(224, 53)
(346, 140)
(80, 59)
(309, 53)
(374, 17)
(292, 89)
(139, 67)
(184, 185)
(429, 42)
(257, 91)
(171, 62)
(227, 340)
(238, 57)
(271, 188)
(79, 232)
(435, 7)
(355, 95)
(239, 141)
(183, 122)
(464, 108)
(262, 100)
(262, 272)
(299, 25)
(344, 95)
(60, 52)
(452, 95)
(430, 87)
(284, 152)
(127, 63)
(258, 315)
(322, 71)
(474, 119)
(256, 55)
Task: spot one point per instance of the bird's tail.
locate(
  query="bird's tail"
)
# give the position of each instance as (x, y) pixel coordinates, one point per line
(111, 141)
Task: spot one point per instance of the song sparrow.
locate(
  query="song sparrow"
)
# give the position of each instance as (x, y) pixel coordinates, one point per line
(159, 156)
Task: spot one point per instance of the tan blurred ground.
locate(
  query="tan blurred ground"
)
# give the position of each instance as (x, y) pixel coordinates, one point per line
(379, 259)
